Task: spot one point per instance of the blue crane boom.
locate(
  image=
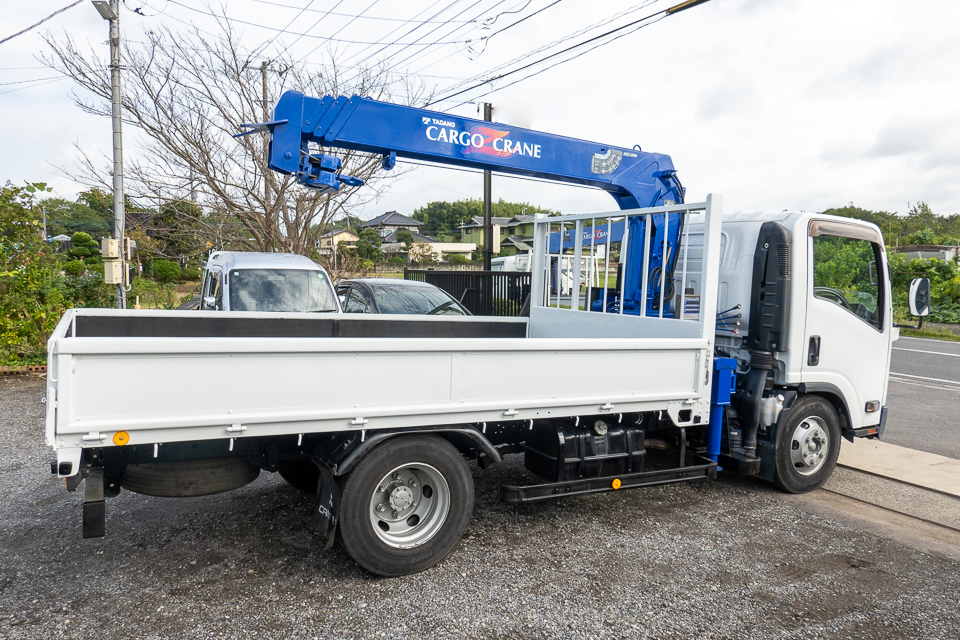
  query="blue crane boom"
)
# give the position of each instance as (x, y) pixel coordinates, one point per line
(633, 177)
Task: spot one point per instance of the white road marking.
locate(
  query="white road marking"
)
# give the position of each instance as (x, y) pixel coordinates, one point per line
(928, 340)
(907, 375)
(936, 353)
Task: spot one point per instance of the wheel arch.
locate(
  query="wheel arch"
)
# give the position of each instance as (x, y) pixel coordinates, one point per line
(455, 435)
(832, 394)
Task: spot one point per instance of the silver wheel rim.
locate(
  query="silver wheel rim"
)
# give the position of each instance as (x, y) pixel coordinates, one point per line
(809, 445)
(409, 505)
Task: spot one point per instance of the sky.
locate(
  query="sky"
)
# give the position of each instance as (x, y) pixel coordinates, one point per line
(775, 104)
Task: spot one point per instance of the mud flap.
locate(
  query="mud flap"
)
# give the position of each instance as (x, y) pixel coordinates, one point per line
(327, 511)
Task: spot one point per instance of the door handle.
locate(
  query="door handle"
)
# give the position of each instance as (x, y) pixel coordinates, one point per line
(813, 359)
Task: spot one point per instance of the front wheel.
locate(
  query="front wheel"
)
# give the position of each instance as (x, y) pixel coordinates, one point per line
(808, 443)
(405, 505)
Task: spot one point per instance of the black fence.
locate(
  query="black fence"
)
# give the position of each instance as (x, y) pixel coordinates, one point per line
(483, 293)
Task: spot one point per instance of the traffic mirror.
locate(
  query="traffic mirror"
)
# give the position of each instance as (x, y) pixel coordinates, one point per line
(920, 297)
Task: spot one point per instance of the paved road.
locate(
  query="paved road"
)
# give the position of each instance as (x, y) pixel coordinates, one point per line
(924, 396)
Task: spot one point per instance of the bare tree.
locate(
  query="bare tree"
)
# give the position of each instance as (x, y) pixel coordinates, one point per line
(186, 94)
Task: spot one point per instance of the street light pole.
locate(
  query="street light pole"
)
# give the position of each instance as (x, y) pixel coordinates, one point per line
(111, 12)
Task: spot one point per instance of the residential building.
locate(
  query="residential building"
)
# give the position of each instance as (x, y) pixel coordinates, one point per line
(929, 251)
(332, 239)
(390, 222)
(516, 233)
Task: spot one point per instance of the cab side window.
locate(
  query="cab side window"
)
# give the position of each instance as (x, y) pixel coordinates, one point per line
(845, 273)
(215, 288)
(356, 302)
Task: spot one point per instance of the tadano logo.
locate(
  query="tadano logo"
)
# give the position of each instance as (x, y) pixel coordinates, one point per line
(426, 120)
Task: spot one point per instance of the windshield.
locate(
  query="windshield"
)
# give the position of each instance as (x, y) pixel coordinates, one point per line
(417, 300)
(280, 290)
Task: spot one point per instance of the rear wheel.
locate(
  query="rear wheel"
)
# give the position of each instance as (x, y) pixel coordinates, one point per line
(405, 505)
(808, 443)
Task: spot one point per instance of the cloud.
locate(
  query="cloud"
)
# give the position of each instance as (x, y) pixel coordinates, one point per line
(732, 95)
(902, 138)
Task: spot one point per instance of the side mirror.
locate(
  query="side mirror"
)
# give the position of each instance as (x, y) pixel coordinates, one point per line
(919, 297)
(209, 303)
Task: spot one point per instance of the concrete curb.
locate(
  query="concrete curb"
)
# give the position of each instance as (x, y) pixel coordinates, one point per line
(918, 468)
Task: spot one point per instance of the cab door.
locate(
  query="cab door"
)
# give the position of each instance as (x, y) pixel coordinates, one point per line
(848, 319)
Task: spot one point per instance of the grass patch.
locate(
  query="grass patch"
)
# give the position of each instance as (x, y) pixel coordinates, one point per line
(936, 334)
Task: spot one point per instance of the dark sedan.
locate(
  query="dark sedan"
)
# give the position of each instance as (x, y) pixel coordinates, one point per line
(389, 295)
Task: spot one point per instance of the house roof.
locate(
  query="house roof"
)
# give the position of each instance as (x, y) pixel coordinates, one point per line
(477, 221)
(417, 237)
(923, 247)
(330, 234)
(519, 242)
(391, 218)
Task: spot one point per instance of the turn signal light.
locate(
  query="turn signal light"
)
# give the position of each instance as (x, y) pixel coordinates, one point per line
(121, 438)
(873, 405)
(616, 483)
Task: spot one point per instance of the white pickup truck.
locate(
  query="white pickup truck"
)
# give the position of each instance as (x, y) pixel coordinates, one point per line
(379, 415)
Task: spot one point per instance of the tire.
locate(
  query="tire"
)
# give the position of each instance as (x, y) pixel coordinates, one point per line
(808, 443)
(301, 474)
(188, 478)
(426, 491)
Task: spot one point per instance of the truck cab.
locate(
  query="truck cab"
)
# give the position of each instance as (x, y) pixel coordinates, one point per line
(266, 282)
(816, 294)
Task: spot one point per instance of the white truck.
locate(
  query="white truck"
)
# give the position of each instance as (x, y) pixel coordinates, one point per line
(379, 415)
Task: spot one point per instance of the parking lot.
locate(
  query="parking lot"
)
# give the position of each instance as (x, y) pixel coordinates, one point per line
(726, 559)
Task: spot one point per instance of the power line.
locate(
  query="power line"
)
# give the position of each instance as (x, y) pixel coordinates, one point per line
(387, 45)
(39, 84)
(346, 15)
(425, 52)
(293, 33)
(352, 20)
(264, 47)
(536, 73)
(34, 26)
(26, 81)
(666, 13)
(395, 65)
(486, 39)
(555, 43)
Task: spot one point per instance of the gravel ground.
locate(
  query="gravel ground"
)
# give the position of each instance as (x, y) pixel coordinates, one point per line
(718, 560)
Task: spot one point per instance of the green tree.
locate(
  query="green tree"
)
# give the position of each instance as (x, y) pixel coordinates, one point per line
(31, 302)
(165, 270)
(445, 218)
(406, 237)
(92, 213)
(368, 246)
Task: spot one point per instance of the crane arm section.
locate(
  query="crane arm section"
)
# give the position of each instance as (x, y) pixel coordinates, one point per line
(634, 178)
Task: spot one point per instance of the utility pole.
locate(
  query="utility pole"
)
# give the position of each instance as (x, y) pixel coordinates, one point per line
(111, 12)
(487, 202)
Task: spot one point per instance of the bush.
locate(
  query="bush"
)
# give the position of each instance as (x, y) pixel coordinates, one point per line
(153, 295)
(165, 270)
(366, 265)
(75, 267)
(396, 260)
(191, 273)
(457, 258)
(81, 239)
